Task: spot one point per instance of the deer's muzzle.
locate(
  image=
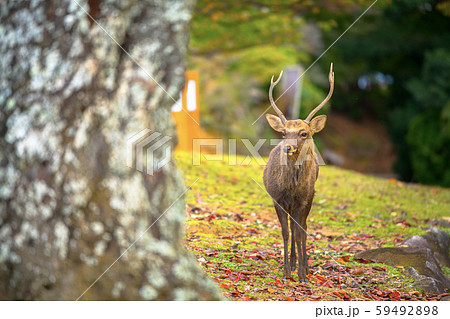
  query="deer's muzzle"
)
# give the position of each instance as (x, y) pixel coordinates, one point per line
(289, 149)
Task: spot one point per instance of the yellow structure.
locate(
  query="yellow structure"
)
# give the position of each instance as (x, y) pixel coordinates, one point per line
(186, 113)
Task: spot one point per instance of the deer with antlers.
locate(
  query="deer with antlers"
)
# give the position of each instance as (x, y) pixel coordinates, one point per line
(290, 175)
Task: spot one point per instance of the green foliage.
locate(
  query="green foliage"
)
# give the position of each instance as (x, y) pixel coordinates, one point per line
(238, 45)
(405, 40)
(431, 154)
(428, 134)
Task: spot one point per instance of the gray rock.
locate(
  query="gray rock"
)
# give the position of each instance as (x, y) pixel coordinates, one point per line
(437, 240)
(421, 259)
(428, 284)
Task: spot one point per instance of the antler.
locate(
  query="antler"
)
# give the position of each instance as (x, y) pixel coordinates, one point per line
(272, 85)
(331, 79)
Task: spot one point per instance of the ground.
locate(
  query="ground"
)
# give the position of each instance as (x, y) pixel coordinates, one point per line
(235, 235)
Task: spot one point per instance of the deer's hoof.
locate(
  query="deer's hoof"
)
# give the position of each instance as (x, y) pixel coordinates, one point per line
(293, 268)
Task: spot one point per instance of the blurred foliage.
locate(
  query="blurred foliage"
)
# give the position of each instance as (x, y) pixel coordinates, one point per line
(408, 42)
(238, 45)
(429, 134)
(392, 64)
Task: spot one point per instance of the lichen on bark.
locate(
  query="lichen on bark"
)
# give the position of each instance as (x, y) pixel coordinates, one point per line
(69, 98)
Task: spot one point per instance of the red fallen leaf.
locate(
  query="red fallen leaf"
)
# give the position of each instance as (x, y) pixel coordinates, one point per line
(289, 299)
(315, 297)
(330, 265)
(226, 237)
(256, 256)
(333, 219)
(246, 272)
(356, 272)
(395, 294)
(226, 286)
(397, 240)
(346, 296)
(406, 224)
(375, 298)
(208, 254)
(379, 268)
(235, 293)
(337, 294)
(321, 278)
(328, 284)
(238, 260)
(363, 261)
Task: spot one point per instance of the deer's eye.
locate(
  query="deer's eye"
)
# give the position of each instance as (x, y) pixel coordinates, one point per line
(304, 134)
(283, 133)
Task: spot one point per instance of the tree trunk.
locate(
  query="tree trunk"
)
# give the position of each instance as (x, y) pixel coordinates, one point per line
(69, 98)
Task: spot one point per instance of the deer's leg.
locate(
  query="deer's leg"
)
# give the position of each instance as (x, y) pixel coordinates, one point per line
(293, 254)
(303, 217)
(283, 218)
(305, 256)
(300, 271)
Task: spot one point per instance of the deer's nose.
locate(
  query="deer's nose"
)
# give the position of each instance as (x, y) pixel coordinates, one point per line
(287, 149)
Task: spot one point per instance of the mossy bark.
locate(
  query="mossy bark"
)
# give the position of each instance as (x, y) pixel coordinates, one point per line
(69, 98)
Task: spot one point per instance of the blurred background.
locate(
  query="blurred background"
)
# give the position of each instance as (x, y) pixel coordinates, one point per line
(390, 112)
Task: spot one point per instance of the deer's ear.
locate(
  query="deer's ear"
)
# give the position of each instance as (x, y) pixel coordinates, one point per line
(275, 122)
(318, 123)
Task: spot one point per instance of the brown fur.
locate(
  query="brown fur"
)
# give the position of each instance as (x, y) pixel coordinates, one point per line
(291, 185)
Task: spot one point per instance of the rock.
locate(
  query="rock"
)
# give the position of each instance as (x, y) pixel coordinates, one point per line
(421, 259)
(428, 284)
(437, 240)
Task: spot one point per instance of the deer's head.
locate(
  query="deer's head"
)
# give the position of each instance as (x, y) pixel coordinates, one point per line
(296, 132)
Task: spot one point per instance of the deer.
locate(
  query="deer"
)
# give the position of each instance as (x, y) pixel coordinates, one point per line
(290, 176)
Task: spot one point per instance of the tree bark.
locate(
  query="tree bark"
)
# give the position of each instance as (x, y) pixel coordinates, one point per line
(69, 205)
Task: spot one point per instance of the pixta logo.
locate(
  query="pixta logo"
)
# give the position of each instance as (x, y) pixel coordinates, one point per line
(149, 149)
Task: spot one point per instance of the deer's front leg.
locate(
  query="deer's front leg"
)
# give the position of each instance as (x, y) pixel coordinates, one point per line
(304, 255)
(283, 218)
(298, 240)
(293, 254)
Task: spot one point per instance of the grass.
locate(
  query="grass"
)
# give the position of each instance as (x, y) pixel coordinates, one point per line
(233, 230)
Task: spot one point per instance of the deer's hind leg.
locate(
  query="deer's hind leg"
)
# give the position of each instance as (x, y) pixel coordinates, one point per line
(283, 218)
